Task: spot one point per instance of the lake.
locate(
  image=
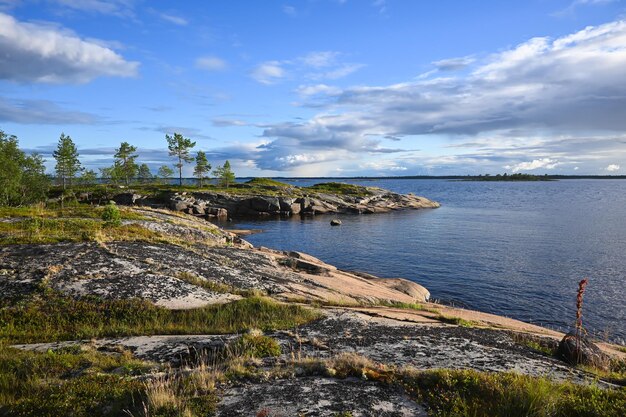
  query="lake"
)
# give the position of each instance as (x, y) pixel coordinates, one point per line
(516, 249)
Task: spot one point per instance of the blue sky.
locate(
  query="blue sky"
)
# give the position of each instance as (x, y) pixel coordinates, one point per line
(323, 87)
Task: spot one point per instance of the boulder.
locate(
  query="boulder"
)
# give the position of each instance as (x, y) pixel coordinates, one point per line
(285, 203)
(198, 208)
(335, 222)
(264, 204)
(295, 208)
(580, 350)
(178, 205)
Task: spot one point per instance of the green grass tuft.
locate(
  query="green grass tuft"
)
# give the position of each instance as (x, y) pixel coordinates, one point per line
(55, 317)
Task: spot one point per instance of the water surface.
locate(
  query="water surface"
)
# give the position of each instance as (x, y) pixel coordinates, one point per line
(512, 248)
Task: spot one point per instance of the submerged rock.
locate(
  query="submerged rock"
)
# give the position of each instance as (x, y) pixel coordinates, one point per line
(335, 222)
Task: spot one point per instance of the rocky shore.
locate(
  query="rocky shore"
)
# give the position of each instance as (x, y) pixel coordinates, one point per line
(245, 200)
(380, 329)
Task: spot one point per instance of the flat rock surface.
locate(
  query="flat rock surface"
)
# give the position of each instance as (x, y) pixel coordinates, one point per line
(317, 396)
(397, 343)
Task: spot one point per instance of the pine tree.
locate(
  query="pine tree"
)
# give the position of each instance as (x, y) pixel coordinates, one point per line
(66, 155)
(22, 178)
(225, 176)
(179, 147)
(144, 173)
(125, 161)
(165, 172)
(202, 168)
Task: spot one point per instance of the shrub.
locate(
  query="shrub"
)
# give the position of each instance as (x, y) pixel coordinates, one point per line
(111, 215)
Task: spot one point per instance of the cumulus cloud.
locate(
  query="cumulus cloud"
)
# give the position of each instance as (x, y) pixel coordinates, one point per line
(312, 90)
(613, 168)
(545, 163)
(317, 65)
(269, 72)
(560, 97)
(211, 63)
(33, 52)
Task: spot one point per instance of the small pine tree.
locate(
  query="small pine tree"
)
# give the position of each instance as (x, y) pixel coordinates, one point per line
(179, 147)
(202, 168)
(66, 155)
(111, 215)
(224, 175)
(165, 172)
(125, 161)
(144, 174)
(88, 177)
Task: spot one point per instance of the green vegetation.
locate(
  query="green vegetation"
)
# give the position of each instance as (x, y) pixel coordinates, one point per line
(202, 168)
(125, 164)
(339, 188)
(179, 147)
(469, 393)
(512, 177)
(22, 178)
(267, 182)
(111, 215)
(456, 321)
(224, 175)
(69, 381)
(67, 165)
(51, 317)
(253, 345)
(165, 172)
(144, 175)
(457, 393)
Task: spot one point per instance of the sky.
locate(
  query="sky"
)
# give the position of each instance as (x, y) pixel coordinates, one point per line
(323, 87)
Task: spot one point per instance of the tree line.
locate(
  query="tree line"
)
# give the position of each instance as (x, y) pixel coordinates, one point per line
(23, 179)
(125, 168)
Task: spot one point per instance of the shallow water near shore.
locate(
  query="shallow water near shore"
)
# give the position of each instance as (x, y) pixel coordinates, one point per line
(511, 248)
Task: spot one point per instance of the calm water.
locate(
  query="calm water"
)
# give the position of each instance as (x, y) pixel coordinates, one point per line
(515, 249)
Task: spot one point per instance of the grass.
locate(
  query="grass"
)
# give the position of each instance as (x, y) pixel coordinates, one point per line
(41, 230)
(67, 382)
(457, 321)
(267, 182)
(469, 393)
(75, 211)
(54, 317)
(339, 188)
(464, 393)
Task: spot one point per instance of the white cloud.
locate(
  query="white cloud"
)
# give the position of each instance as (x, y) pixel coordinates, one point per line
(320, 59)
(269, 72)
(177, 20)
(312, 90)
(562, 97)
(545, 163)
(120, 8)
(613, 168)
(31, 52)
(318, 65)
(336, 73)
(211, 63)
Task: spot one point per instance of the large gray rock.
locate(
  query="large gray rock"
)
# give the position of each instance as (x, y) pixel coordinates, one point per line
(579, 350)
(285, 203)
(264, 204)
